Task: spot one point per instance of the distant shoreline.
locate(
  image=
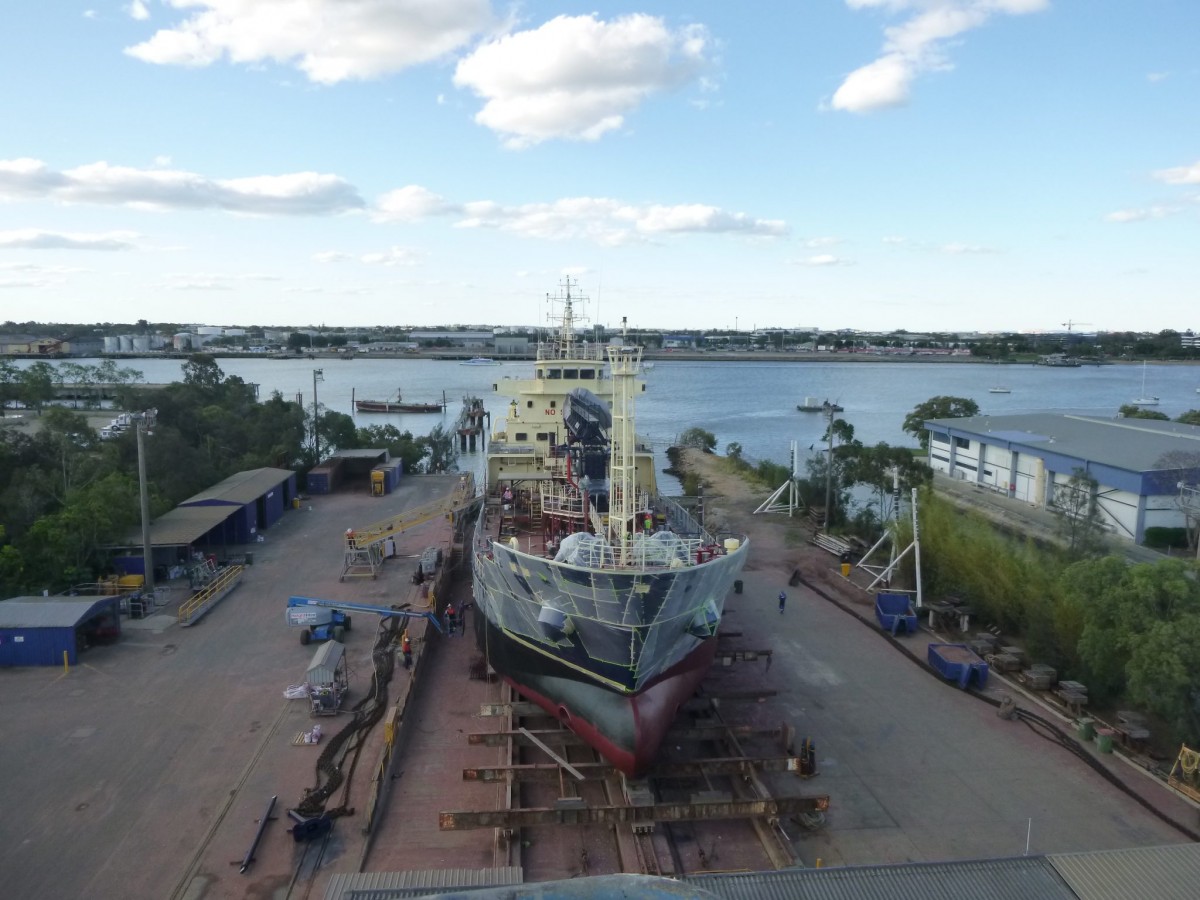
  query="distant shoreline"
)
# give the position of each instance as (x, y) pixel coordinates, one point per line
(655, 356)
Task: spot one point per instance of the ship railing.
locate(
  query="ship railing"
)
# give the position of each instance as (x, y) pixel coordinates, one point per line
(591, 352)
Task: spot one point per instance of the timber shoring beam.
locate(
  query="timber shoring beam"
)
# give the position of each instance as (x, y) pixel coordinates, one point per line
(463, 820)
(699, 768)
(563, 738)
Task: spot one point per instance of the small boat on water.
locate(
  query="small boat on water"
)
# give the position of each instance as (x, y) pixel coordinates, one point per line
(810, 404)
(999, 390)
(1145, 399)
(596, 597)
(479, 361)
(399, 405)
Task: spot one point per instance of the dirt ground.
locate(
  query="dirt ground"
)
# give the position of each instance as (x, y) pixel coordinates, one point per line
(730, 502)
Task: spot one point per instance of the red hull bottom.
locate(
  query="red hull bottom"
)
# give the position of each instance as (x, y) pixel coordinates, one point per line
(651, 711)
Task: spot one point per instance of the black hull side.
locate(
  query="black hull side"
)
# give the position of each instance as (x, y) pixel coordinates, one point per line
(625, 728)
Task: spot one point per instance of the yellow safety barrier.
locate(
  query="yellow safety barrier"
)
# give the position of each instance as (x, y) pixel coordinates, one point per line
(195, 606)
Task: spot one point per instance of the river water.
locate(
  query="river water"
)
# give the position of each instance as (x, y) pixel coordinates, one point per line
(752, 403)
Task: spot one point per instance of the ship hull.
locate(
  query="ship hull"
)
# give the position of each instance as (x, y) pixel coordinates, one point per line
(382, 406)
(626, 729)
(629, 646)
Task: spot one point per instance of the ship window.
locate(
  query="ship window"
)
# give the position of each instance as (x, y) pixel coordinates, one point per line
(543, 436)
(553, 404)
(570, 373)
(554, 373)
(521, 436)
(529, 404)
(587, 373)
(541, 373)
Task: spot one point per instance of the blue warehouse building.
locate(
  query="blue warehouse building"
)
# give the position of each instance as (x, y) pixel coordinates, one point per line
(229, 513)
(45, 631)
(1139, 465)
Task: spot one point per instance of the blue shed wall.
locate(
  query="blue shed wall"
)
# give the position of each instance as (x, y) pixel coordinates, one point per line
(36, 646)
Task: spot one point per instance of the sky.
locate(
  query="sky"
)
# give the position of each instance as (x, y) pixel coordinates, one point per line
(950, 165)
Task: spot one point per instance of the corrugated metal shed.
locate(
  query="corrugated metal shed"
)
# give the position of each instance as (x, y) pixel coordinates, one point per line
(1136, 445)
(419, 883)
(377, 454)
(244, 487)
(1161, 873)
(1154, 873)
(323, 668)
(49, 612)
(1021, 878)
(43, 631)
(182, 526)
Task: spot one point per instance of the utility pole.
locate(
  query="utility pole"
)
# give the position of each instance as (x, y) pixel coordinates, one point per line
(318, 375)
(829, 471)
(144, 497)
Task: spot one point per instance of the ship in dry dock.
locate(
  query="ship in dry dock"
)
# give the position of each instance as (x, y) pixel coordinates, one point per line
(596, 597)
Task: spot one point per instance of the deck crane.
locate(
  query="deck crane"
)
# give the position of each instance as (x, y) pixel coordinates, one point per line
(364, 546)
(323, 620)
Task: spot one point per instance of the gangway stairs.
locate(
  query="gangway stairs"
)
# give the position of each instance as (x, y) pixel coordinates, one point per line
(364, 546)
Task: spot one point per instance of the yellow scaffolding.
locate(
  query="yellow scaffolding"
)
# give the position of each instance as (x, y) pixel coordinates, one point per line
(364, 546)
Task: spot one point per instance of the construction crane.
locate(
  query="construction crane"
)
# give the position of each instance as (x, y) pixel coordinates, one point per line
(1070, 324)
(364, 546)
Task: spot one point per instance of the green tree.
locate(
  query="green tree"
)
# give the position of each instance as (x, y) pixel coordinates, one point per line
(37, 385)
(440, 452)
(940, 407)
(1080, 521)
(1191, 417)
(1132, 411)
(399, 444)
(9, 382)
(699, 439)
(202, 372)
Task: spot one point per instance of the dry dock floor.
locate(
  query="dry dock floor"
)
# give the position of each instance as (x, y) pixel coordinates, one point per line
(142, 771)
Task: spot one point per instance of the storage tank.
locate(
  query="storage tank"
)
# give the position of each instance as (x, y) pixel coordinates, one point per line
(210, 330)
(182, 341)
(112, 344)
(141, 343)
(126, 343)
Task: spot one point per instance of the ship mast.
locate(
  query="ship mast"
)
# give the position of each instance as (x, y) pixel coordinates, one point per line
(624, 363)
(564, 346)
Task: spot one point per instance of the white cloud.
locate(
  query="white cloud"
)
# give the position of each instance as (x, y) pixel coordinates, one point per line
(611, 222)
(90, 14)
(824, 259)
(1153, 77)
(815, 242)
(409, 203)
(1180, 174)
(331, 256)
(894, 239)
(915, 46)
(576, 77)
(298, 193)
(328, 40)
(23, 283)
(199, 284)
(1122, 216)
(956, 248)
(36, 239)
(394, 256)
(137, 10)
(695, 217)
